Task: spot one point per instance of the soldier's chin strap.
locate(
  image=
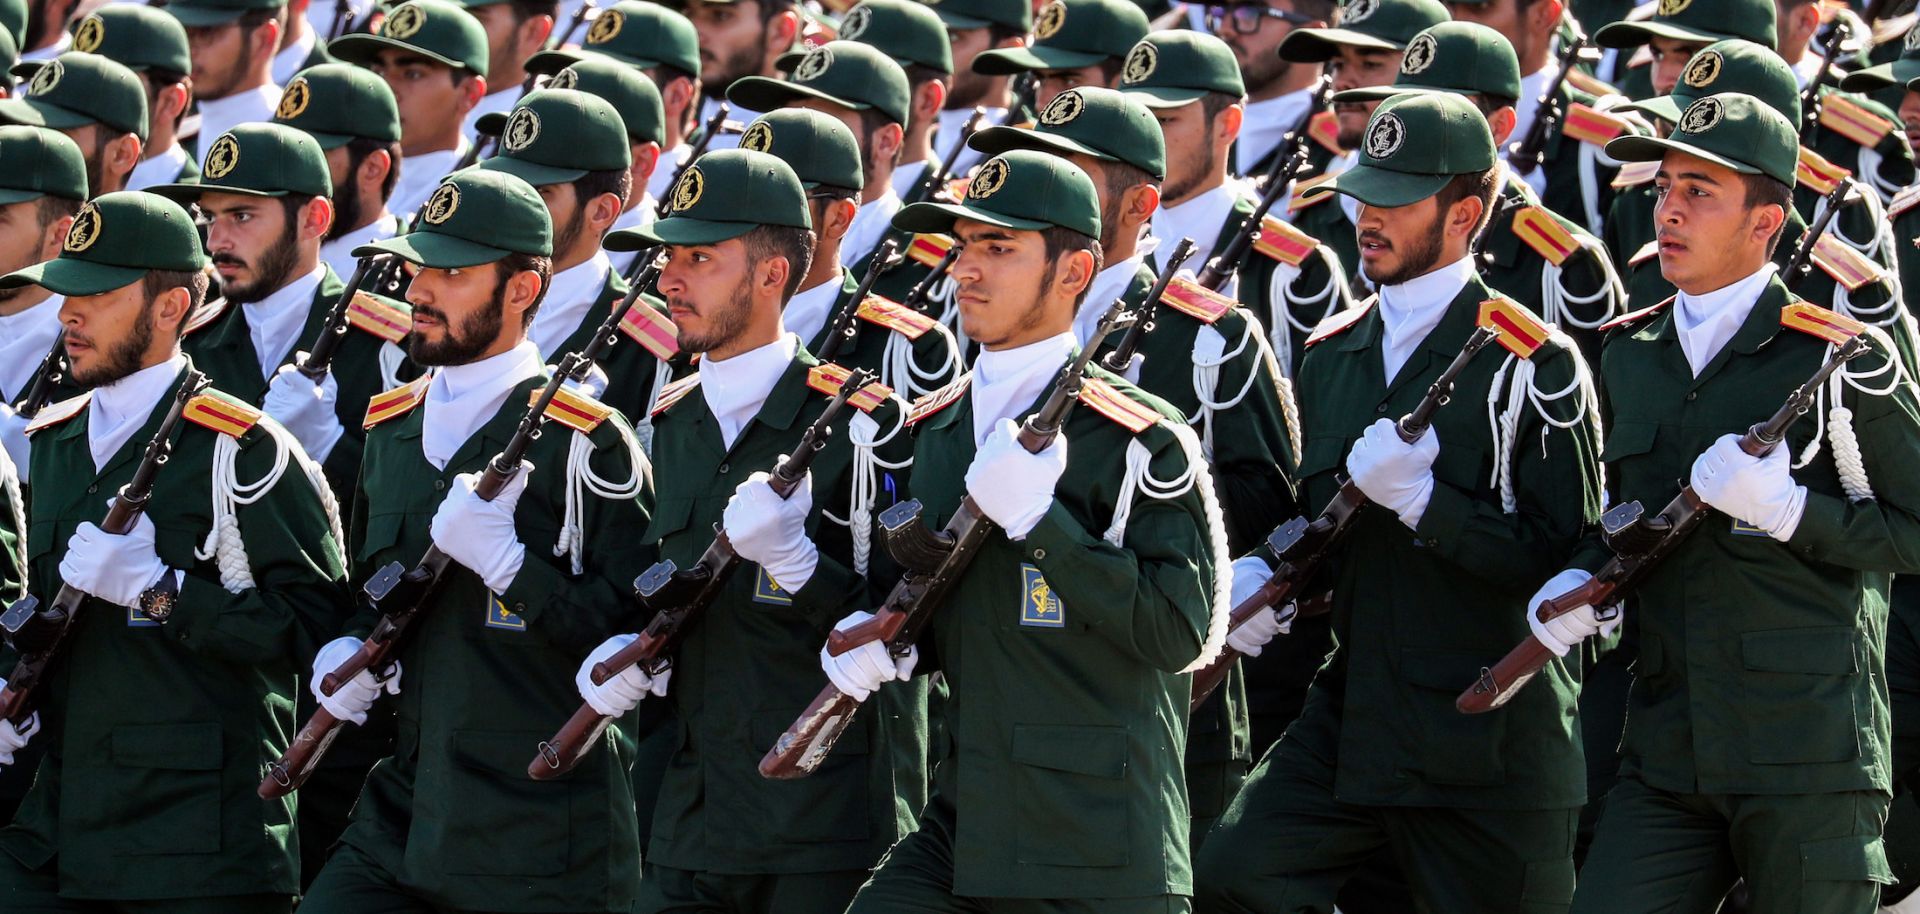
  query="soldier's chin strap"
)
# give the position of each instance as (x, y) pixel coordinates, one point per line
(1139, 480)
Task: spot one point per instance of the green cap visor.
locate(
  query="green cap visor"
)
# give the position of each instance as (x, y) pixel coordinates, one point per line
(1008, 61)
(35, 113)
(1733, 130)
(1384, 187)
(1654, 149)
(940, 217)
(1635, 34)
(1896, 73)
(1321, 45)
(358, 48)
(677, 230)
(1021, 189)
(533, 173)
(433, 250)
(65, 276)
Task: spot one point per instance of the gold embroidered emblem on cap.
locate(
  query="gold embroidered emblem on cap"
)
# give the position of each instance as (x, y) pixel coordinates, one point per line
(521, 130)
(441, 206)
(294, 100)
(1673, 7)
(568, 78)
(404, 22)
(1702, 115)
(856, 23)
(606, 27)
(1385, 136)
(1064, 108)
(758, 138)
(991, 177)
(46, 78)
(687, 192)
(1359, 11)
(815, 63)
(88, 35)
(1703, 70)
(1051, 18)
(224, 155)
(1141, 62)
(1420, 54)
(1913, 39)
(84, 231)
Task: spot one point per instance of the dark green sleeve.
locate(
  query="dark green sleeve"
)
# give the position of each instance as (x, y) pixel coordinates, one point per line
(1881, 534)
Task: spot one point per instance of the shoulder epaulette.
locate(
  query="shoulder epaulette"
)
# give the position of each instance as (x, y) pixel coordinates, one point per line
(1541, 232)
(955, 190)
(879, 309)
(1648, 250)
(1592, 125)
(1814, 320)
(1195, 300)
(396, 402)
(828, 378)
(1634, 173)
(1108, 401)
(55, 413)
(674, 392)
(385, 318)
(1632, 316)
(1304, 195)
(222, 413)
(1903, 201)
(1325, 130)
(1852, 120)
(1521, 331)
(1817, 174)
(1339, 322)
(644, 324)
(1280, 241)
(576, 411)
(938, 400)
(1847, 266)
(926, 250)
(207, 313)
(1589, 83)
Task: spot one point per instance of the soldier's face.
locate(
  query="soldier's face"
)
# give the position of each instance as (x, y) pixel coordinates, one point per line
(1359, 68)
(1191, 143)
(709, 293)
(254, 246)
(1910, 116)
(109, 335)
(1708, 236)
(1670, 58)
(732, 41)
(1049, 83)
(1519, 23)
(458, 314)
(23, 240)
(1001, 279)
(427, 92)
(1258, 51)
(969, 88)
(510, 40)
(222, 59)
(1399, 243)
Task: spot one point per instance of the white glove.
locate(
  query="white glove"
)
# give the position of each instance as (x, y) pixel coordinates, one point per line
(1012, 487)
(13, 739)
(478, 533)
(1758, 490)
(13, 437)
(858, 672)
(306, 409)
(1564, 631)
(771, 531)
(1251, 636)
(116, 569)
(593, 385)
(626, 689)
(355, 696)
(1396, 475)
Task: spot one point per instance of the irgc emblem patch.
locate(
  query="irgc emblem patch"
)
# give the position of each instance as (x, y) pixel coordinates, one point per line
(766, 591)
(46, 78)
(687, 192)
(521, 130)
(1064, 108)
(1913, 39)
(988, 181)
(813, 65)
(404, 22)
(1141, 62)
(441, 206)
(222, 158)
(84, 231)
(856, 23)
(1673, 7)
(1702, 115)
(758, 138)
(1385, 136)
(294, 100)
(1703, 70)
(89, 34)
(499, 617)
(1420, 54)
(1359, 11)
(1040, 607)
(1051, 18)
(606, 27)
(568, 78)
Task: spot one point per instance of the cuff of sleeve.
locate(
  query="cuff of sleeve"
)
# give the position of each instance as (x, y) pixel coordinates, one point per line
(1822, 522)
(829, 593)
(526, 595)
(1056, 546)
(1447, 512)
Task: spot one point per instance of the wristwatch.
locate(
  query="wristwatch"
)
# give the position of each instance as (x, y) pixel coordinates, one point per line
(156, 602)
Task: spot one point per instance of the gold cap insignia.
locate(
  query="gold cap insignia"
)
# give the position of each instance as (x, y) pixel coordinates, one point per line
(815, 63)
(988, 181)
(84, 231)
(687, 192)
(1420, 54)
(1673, 7)
(568, 78)
(606, 27)
(1702, 116)
(1051, 18)
(1385, 136)
(856, 23)
(1359, 11)
(441, 206)
(1141, 62)
(224, 155)
(88, 35)
(404, 22)
(294, 100)
(522, 128)
(758, 138)
(46, 78)
(1064, 108)
(1702, 70)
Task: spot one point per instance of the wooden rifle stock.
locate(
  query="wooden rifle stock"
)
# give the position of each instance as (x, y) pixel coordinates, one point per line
(714, 125)
(563, 752)
(52, 370)
(840, 330)
(1525, 155)
(1639, 544)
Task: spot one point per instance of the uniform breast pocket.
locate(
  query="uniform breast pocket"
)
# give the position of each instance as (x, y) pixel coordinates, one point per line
(1070, 794)
(379, 534)
(1799, 701)
(175, 544)
(1628, 443)
(1461, 465)
(162, 792)
(497, 820)
(1454, 748)
(1322, 455)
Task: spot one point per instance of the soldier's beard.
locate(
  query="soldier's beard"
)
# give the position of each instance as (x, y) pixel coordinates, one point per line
(1193, 171)
(276, 266)
(465, 343)
(123, 357)
(724, 324)
(1421, 255)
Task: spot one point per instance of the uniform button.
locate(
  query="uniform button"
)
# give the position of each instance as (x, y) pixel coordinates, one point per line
(1382, 408)
(1433, 542)
(1039, 553)
(519, 608)
(1692, 395)
(439, 484)
(93, 489)
(724, 467)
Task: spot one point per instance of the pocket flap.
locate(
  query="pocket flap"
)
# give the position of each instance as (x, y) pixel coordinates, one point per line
(1823, 651)
(381, 532)
(176, 747)
(39, 538)
(1629, 438)
(1450, 670)
(1320, 455)
(1096, 751)
(669, 517)
(1853, 858)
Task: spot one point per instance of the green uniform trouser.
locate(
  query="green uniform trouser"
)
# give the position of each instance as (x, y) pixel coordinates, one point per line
(665, 890)
(1287, 846)
(25, 891)
(917, 876)
(1668, 853)
(352, 883)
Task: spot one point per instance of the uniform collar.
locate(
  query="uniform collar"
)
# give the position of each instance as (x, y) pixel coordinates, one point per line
(219, 115)
(1201, 218)
(908, 176)
(497, 102)
(25, 338)
(1266, 126)
(338, 253)
(661, 180)
(420, 174)
(1110, 283)
(1707, 322)
(870, 224)
(293, 58)
(1007, 381)
(953, 122)
(160, 169)
(570, 295)
(116, 411)
(1410, 310)
(1531, 85)
(735, 389)
(808, 312)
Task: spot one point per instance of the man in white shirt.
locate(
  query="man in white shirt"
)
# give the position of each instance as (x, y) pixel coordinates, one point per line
(297, 42)
(45, 181)
(233, 42)
(516, 30)
(154, 45)
(351, 113)
(44, 35)
(973, 28)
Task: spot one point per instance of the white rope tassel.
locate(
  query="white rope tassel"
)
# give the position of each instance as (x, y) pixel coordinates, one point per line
(1518, 376)
(1555, 298)
(1283, 303)
(864, 490)
(1139, 480)
(902, 372)
(581, 479)
(223, 543)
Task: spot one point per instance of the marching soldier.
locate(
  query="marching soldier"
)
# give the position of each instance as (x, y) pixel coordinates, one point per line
(153, 44)
(516, 29)
(45, 181)
(738, 39)
(912, 34)
(432, 54)
(1075, 43)
(637, 101)
(975, 27)
(351, 113)
(233, 44)
(176, 681)
(537, 577)
(737, 242)
(1280, 93)
(1478, 812)
(1756, 743)
(1064, 639)
(98, 103)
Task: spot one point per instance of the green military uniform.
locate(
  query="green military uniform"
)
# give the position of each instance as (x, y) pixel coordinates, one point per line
(450, 820)
(157, 726)
(1478, 812)
(1902, 834)
(1059, 789)
(1756, 742)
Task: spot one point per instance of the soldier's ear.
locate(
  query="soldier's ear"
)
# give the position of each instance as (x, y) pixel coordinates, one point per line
(54, 237)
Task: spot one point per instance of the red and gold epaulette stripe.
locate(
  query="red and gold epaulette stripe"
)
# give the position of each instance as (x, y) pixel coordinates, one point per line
(827, 378)
(1520, 331)
(1903, 201)
(1853, 120)
(1634, 173)
(575, 410)
(1537, 227)
(1847, 266)
(1591, 125)
(1589, 83)
(1338, 322)
(954, 191)
(1650, 249)
(1814, 320)
(1196, 301)
(388, 320)
(879, 309)
(1279, 240)
(1304, 195)
(1108, 401)
(1325, 130)
(926, 250)
(222, 413)
(1630, 317)
(206, 314)
(674, 392)
(938, 400)
(1818, 174)
(396, 402)
(652, 329)
(55, 413)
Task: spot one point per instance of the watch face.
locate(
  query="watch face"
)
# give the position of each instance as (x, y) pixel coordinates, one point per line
(157, 605)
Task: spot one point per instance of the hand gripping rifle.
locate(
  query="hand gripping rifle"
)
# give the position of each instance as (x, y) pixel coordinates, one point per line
(317, 361)
(1800, 266)
(840, 331)
(1302, 546)
(46, 378)
(38, 633)
(401, 593)
(678, 597)
(1123, 351)
(715, 124)
(1525, 155)
(934, 561)
(1639, 543)
(1274, 184)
